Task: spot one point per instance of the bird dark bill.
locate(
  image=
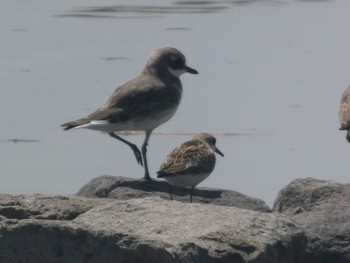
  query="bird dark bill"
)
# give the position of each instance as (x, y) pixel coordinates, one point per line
(348, 136)
(219, 152)
(191, 70)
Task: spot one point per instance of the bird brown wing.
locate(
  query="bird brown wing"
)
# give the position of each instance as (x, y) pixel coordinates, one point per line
(189, 158)
(133, 100)
(344, 110)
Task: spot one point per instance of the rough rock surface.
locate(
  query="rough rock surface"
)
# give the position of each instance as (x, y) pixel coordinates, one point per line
(148, 229)
(310, 223)
(322, 209)
(39, 206)
(123, 188)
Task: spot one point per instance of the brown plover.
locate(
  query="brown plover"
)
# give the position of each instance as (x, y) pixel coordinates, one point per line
(143, 103)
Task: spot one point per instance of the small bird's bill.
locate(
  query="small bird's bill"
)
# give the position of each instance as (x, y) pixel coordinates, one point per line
(219, 152)
(191, 70)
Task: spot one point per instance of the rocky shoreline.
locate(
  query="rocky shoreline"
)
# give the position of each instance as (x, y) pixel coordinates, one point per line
(118, 219)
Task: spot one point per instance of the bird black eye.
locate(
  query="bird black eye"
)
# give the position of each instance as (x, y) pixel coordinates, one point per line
(179, 63)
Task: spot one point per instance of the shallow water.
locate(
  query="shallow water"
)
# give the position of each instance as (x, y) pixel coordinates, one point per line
(271, 74)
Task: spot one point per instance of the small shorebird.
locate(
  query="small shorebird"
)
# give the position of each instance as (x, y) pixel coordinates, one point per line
(344, 113)
(143, 103)
(190, 163)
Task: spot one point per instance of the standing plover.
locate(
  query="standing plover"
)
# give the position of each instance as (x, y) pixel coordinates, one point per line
(143, 103)
(344, 113)
(190, 163)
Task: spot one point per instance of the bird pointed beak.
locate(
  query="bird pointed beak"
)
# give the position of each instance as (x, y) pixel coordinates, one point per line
(219, 152)
(191, 70)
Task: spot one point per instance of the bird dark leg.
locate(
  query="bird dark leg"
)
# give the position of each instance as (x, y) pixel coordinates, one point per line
(144, 154)
(191, 193)
(133, 147)
(171, 192)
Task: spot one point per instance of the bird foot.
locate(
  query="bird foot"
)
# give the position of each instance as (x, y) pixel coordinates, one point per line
(137, 154)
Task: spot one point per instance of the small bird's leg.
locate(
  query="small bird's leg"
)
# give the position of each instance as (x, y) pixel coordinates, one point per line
(171, 192)
(191, 193)
(144, 156)
(131, 145)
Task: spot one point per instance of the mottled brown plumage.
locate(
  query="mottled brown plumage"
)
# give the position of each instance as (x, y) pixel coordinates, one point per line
(344, 113)
(191, 162)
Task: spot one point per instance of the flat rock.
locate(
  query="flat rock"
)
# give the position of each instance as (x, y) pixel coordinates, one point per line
(124, 188)
(53, 207)
(322, 209)
(150, 229)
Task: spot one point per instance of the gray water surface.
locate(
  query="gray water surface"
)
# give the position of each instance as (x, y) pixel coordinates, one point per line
(271, 76)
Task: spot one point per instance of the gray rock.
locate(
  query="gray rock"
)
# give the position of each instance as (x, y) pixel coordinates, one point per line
(38, 206)
(124, 188)
(322, 209)
(148, 229)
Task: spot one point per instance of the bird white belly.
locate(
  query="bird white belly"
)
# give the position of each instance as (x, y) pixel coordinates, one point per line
(146, 124)
(187, 180)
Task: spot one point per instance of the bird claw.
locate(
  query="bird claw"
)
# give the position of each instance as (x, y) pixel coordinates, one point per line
(137, 154)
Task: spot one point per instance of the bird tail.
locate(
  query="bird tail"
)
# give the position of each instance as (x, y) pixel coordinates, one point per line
(67, 126)
(72, 124)
(161, 174)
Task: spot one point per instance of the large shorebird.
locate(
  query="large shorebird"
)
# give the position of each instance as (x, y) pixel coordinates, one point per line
(143, 103)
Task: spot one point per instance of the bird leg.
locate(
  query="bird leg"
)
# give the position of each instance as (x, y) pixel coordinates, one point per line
(144, 156)
(191, 193)
(171, 192)
(133, 147)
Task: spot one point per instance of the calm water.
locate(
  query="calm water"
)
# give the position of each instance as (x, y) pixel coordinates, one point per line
(271, 72)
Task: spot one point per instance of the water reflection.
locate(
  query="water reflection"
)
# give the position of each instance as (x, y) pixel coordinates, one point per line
(314, 0)
(177, 28)
(17, 140)
(261, 2)
(114, 58)
(176, 8)
(185, 133)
